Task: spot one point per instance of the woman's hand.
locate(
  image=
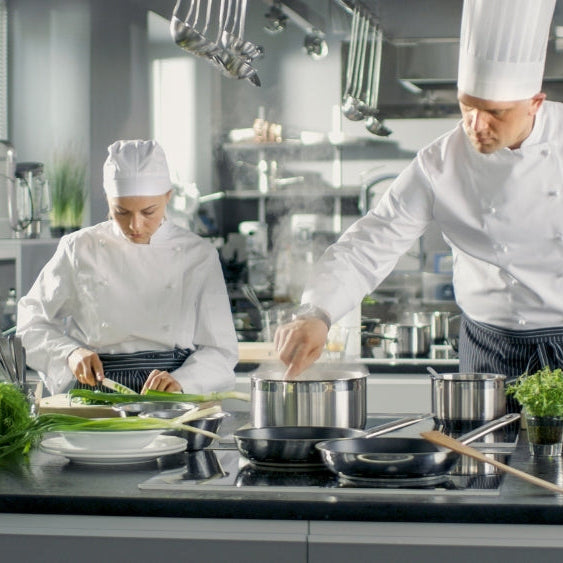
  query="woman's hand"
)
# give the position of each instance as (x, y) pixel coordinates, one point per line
(160, 381)
(299, 343)
(86, 366)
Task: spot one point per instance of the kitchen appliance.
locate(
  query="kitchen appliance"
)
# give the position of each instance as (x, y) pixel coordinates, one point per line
(28, 199)
(462, 398)
(321, 396)
(232, 472)
(7, 179)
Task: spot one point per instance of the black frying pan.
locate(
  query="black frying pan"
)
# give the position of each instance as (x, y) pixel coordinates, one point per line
(397, 458)
(283, 445)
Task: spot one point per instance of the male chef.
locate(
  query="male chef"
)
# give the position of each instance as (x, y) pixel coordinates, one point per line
(494, 185)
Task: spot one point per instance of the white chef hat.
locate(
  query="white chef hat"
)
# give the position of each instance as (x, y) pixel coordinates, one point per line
(503, 47)
(136, 168)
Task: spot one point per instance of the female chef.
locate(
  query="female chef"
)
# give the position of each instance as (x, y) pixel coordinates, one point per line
(493, 185)
(136, 298)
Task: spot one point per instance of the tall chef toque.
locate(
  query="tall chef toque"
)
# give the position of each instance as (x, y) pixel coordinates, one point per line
(502, 48)
(136, 168)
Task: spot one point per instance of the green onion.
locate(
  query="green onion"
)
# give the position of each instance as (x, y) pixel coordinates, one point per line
(100, 398)
(20, 431)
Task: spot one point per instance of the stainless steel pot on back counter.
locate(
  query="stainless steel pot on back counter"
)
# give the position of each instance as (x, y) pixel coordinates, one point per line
(467, 397)
(323, 395)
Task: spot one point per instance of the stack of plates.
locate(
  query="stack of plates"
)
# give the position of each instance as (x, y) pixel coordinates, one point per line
(111, 448)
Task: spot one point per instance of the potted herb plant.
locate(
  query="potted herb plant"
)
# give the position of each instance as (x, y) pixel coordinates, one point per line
(67, 177)
(541, 397)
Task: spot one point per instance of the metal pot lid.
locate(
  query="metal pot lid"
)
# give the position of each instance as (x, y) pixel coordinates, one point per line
(317, 372)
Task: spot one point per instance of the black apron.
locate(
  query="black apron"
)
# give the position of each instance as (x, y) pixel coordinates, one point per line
(485, 348)
(132, 370)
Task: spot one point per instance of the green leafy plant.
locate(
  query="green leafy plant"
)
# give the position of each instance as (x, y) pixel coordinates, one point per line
(67, 181)
(540, 393)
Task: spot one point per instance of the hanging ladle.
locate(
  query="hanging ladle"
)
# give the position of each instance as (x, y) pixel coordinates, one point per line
(352, 102)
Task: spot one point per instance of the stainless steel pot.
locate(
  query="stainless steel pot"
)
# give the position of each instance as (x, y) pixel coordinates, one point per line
(405, 340)
(439, 322)
(460, 397)
(320, 396)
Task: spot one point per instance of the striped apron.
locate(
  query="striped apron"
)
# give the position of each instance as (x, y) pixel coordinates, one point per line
(132, 370)
(485, 348)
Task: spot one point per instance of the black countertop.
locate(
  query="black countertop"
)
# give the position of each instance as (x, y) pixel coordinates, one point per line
(50, 484)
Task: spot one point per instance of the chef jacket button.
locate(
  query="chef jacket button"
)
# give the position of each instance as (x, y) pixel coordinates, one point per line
(545, 152)
(102, 242)
(558, 237)
(177, 248)
(521, 322)
(492, 210)
(501, 247)
(171, 286)
(104, 325)
(555, 192)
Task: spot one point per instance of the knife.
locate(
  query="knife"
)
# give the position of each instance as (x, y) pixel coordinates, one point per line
(117, 387)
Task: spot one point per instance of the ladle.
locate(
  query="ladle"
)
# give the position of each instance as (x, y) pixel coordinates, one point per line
(373, 124)
(352, 102)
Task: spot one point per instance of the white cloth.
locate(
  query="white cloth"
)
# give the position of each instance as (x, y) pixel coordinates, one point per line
(503, 48)
(500, 213)
(108, 294)
(136, 168)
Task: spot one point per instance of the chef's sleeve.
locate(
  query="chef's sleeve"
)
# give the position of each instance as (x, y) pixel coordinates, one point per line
(41, 319)
(368, 250)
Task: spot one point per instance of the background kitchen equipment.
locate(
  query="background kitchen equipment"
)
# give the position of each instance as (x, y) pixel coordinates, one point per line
(7, 178)
(465, 399)
(397, 458)
(28, 199)
(405, 340)
(320, 396)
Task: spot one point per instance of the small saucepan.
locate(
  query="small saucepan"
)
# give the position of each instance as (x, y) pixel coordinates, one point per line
(397, 458)
(289, 445)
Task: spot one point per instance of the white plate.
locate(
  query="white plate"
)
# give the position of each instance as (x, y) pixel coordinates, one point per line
(162, 445)
(111, 441)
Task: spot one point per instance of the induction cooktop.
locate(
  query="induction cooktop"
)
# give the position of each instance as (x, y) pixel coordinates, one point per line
(223, 469)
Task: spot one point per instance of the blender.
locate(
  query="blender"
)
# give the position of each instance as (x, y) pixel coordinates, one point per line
(28, 199)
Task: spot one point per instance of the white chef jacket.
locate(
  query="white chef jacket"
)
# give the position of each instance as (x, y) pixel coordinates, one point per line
(106, 293)
(501, 214)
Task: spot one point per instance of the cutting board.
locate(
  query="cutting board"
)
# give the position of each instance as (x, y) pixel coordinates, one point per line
(256, 351)
(61, 404)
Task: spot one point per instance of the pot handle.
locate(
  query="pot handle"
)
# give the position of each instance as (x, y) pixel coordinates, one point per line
(395, 425)
(488, 427)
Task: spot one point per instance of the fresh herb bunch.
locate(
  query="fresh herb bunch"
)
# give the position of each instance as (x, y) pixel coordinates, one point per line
(540, 393)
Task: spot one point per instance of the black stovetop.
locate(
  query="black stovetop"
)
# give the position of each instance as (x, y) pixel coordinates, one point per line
(223, 468)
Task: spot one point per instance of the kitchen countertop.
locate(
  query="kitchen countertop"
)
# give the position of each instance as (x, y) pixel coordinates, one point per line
(50, 484)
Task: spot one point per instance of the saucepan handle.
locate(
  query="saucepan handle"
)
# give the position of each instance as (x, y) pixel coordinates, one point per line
(396, 425)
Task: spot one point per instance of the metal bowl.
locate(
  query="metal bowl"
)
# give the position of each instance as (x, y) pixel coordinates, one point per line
(194, 441)
(135, 409)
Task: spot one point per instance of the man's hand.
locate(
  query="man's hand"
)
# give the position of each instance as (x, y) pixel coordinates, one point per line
(86, 366)
(299, 343)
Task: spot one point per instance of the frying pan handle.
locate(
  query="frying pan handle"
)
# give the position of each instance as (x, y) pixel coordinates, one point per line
(395, 425)
(489, 427)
